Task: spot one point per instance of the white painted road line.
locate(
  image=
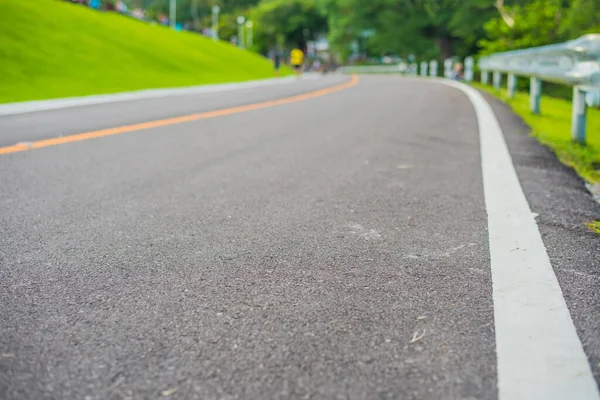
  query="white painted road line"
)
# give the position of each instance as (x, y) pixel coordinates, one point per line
(539, 353)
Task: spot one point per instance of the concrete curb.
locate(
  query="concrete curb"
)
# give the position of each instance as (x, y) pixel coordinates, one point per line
(53, 104)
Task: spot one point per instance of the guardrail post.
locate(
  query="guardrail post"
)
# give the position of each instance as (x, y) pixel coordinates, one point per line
(414, 68)
(535, 94)
(469, 64)
(485, 77)
(579, 115)
(592, 98)
(423, 68)
(497, 80)
(433, 68)
(448, 67)
(512, 85)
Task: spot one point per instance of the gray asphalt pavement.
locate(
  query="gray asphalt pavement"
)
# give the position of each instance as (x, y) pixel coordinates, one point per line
(332, 248)
(67, 121)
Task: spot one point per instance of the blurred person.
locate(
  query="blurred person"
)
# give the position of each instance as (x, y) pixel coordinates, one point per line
(329, 64)
(138, 13)
(317, 65)
(326, 62)
(276, 58)
(457, 73)
(121, 6)
(297, 59)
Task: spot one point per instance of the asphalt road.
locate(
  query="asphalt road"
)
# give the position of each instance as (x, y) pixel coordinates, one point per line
(330, 248)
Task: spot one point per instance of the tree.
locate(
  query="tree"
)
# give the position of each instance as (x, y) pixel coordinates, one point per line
(344, 23)
(541, 22)
(583, 16)
(426, 28)
(533, 24)
(287, 23)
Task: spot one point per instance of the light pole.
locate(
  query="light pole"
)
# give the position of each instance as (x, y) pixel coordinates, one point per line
(249, 34)
(240, 21)
(215, 22)
(172, 12)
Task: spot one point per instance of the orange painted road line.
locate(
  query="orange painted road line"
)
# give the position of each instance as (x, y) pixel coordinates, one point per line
(177, 120)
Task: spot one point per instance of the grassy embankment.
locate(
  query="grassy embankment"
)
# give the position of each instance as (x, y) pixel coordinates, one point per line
(553, 129)
(51, 48)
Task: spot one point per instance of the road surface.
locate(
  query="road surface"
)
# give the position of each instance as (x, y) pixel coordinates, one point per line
(333, 246)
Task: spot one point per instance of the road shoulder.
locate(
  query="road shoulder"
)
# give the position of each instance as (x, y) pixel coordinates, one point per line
(564, 205)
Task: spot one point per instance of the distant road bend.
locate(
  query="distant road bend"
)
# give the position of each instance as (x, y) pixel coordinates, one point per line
(328, 238)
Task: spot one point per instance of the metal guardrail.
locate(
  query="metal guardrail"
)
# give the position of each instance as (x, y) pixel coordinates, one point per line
(375, 69)
(574, 63)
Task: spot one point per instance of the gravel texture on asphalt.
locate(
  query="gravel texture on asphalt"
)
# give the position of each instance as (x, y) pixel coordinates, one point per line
(330, 248)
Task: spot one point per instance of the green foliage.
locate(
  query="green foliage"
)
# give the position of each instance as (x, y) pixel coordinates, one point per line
(583, 16)
(188, 9)
(275, 21)
(535, 24)
(343, 22)
(286, 23)
(196, 14)
(541, 22)
(538, 23)
(594, 226)
(56, 49)
(440, 28)
(425, 28)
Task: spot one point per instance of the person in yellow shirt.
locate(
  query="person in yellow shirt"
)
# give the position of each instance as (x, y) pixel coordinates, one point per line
(297, 59)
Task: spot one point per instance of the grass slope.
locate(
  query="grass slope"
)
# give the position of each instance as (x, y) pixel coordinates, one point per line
(50, 48)
(553, 129)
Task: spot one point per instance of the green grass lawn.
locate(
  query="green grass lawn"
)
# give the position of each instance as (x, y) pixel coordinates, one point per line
(50, 48)
(553, 129)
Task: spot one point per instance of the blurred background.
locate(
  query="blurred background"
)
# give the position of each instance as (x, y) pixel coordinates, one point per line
(61, 48)
(375, 30)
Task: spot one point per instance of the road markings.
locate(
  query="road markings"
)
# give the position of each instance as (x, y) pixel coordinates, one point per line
(539, 353)
(177, 120)
(72, 102)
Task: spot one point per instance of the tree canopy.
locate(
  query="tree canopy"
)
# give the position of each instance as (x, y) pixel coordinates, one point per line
(423, 28)
(287, 23)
